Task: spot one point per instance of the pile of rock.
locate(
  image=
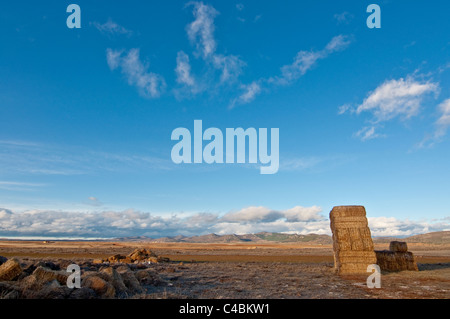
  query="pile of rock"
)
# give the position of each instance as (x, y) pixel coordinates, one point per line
(48, 280)
(139, 255)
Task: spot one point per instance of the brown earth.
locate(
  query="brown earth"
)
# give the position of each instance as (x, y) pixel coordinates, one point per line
(251, 270)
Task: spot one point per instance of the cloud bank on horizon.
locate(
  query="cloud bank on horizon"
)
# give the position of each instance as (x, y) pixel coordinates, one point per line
(112, 224)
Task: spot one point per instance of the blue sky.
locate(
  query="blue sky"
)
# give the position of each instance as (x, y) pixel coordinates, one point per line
(86, 116)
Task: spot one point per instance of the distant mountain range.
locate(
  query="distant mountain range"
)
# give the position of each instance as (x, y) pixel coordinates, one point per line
(442, 237)
(233, 238)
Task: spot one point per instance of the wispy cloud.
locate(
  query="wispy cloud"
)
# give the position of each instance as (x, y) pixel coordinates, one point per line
(250, 91)
(189, 85)
(441, 126)
(19, 186)
(27, 158)
(18, 143)
(300, 164)
(93, 201)
(344, 108)
(201, 35)
(201, 30)
(343, 18)
(337, 43)
(230, 65)
(444, 120)
(111, 28)
(220, 70)
(240, 6)
(367, 133)
(444, 67)
(303, 62)
(315, 163)
(149, 84)
(183, 70)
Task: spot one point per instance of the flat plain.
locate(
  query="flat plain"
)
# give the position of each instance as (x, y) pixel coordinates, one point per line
(253, 270)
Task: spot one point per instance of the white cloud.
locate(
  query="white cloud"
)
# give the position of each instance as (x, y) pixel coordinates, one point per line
(397, 98)
(303, 62)
(5, 213)
(252, 214)
(150, 85)
(344, 108)
(201, 30)
(338, 43)
(189, 85)
(390, 226)
(183, 70)
(230, 65)
(201, 34)
(112, 28)
(367, 133)
(299, 213)
(262, 214)
(110, 224)
(250, 92)
(113, 58)
(281, 225)
(393, 99)
(221, 69)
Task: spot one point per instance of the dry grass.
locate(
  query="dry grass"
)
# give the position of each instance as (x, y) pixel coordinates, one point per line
(294, 270)
(292, 252)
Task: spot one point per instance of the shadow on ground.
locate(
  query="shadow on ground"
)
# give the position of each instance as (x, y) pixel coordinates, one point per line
(424, 267)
